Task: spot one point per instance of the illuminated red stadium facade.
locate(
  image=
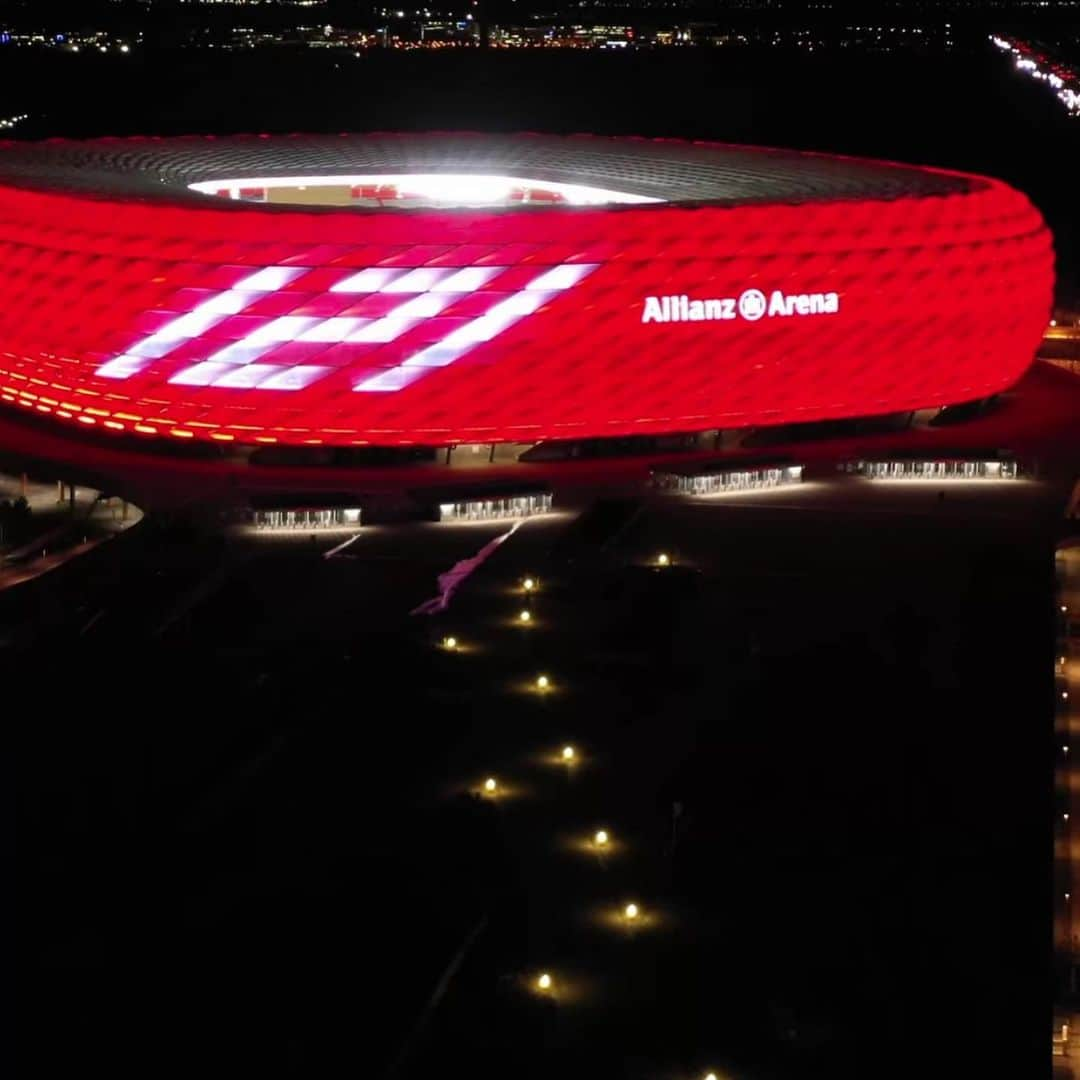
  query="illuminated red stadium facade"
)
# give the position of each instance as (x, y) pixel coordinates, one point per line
(442, 289)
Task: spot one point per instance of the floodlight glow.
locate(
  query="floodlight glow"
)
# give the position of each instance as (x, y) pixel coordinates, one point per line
(542, 682)
(438, 189)
(525, 616)
(663, 560)
(568, 753)
(601, 838)
(529, 584)
(450, 642)
(544, 982)
(490, 784)
(631, 911)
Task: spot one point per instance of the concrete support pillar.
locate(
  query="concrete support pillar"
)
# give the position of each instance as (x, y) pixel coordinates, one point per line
(124, 510)
(59, 491)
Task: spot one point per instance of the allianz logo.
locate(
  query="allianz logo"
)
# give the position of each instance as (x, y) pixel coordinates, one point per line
(751, 305)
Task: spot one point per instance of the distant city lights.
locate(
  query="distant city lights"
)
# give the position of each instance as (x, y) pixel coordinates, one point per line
(1062, 79)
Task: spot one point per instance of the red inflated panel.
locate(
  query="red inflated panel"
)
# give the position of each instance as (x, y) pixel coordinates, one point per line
(237, 322)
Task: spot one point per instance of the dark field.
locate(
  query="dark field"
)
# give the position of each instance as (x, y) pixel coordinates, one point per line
(245, 845)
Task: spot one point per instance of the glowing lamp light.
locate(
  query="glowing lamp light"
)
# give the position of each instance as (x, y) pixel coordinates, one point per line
(525, 616)
(663, 559)
(542, 682)
(450, 642)
(568, 753)
(544, 982)
(490, 784)
(529, 584)
(631, 911)
(601, 838)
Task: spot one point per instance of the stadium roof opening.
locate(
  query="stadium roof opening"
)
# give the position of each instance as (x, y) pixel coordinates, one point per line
(434, 191)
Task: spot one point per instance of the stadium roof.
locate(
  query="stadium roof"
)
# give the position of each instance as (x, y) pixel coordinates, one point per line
(672, 170)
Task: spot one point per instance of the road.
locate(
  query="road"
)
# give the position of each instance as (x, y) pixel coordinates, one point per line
(60, 530)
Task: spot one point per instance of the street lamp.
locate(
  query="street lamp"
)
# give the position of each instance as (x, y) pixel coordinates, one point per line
(529, 584)
(631, 912)
(601, 839)
(542, 683)
(525, 616)
(663, 559)
(568, 754)
(450, 642)
(490, 785)
(543, 983)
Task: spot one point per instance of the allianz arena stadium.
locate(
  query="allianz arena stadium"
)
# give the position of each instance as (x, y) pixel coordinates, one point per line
(436, 289)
